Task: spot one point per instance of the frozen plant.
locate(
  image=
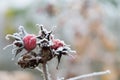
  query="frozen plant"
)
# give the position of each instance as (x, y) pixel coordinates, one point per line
(46, 48)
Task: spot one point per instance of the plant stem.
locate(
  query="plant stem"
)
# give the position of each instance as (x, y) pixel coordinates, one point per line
(45, 72)
(90, 75)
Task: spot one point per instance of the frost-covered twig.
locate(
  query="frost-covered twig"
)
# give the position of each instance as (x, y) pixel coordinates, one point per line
(61, 78)
(90, 75)
(46, 74)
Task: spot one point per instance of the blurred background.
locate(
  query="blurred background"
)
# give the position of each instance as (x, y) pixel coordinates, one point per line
(91, 27)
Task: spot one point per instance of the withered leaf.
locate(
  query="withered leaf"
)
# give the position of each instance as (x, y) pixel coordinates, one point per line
(18, 51)
(59, 58)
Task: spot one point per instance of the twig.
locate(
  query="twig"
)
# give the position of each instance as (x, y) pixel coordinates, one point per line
(45, 72)
(90, 75)
(37, 68)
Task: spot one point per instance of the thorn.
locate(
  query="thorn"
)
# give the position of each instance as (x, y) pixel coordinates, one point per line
(40, 26)
(21, 29)
(52, 29)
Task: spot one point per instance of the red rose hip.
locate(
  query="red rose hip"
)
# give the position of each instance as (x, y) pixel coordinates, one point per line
(57, 43)
(29, 42)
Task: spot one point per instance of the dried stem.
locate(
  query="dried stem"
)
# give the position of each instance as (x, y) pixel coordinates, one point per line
(46, 74)
(90, 75)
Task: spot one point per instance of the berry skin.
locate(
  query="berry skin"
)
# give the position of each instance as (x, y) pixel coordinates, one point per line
(29, 42)
(56, 44)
